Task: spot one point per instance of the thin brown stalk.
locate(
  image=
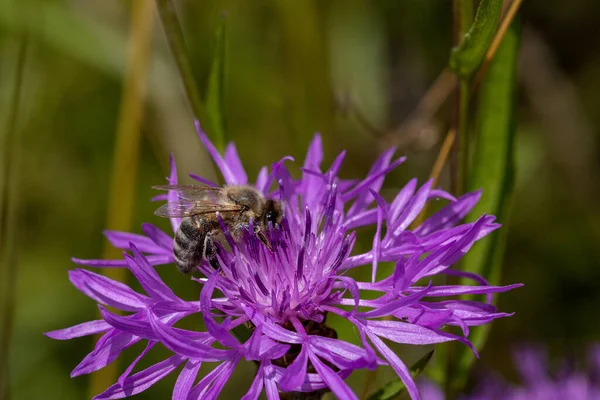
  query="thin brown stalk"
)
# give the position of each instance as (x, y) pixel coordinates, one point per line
(124, 169)
(509, 16)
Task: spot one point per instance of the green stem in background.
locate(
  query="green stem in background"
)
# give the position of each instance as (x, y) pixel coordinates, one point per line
(124, 169)
(465, 15)
(8, 223)
(473, 44)
(493, 171)
(215, 92)
(395, 388)
(464, 88)
(174, 35)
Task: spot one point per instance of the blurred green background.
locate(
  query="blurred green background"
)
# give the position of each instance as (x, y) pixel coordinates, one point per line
(353, 70)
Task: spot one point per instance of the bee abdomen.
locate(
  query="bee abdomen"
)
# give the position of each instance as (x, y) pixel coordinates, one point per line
(187, 246)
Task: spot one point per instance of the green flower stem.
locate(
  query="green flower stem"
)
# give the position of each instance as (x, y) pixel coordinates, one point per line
(465, 15)
(464, 88)
(174, 34)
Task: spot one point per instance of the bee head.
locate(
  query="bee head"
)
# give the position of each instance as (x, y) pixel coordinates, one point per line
(273, 212)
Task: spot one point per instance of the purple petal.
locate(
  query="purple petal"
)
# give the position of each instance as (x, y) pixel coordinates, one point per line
(253, 345)
(181, 344)
(129, 324)
(405, 333)
(142, 380)
(107, 291)
(455, 290)
(450, 215)
(148, 277)
(204, 181)
(210, 386)
(373, 181)
(314, 155)
(314, 158)
(377, 243)
(228, 174)
(361, 219)
(131, 366)
(401, 200)
(219, 333)
(106, 351)
(270, 386)
(152, 259)
(100, 263)
(440, 194)
(257, 384)
(83, 329)
(270, 329)
(295, 373)
(158, 236)
(393, 306)
(235, 164)
(172, 194)
(121, 240)
(186, 379)
(412, 209)
(261, 179)
(397, 364)
(333, 381)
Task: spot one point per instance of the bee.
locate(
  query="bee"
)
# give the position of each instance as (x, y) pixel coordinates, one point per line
(199, 207)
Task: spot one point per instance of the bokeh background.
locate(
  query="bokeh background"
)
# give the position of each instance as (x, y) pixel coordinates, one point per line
(353, 70)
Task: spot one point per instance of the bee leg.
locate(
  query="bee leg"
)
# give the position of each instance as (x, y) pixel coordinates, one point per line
(210, 251)
(263, 238)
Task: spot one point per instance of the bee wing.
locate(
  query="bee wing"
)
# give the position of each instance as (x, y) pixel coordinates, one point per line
(191, 192)
(182, 209)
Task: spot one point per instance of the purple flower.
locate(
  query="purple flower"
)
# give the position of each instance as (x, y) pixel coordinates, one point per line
(538, 383)
(284, 294)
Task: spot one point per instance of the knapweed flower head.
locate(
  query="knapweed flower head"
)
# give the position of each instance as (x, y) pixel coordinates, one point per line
(283, 292)
(538, 380)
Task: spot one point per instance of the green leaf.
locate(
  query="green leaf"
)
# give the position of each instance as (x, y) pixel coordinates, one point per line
(215, 96)
(493, 171)
(466, 57)
(395, 388)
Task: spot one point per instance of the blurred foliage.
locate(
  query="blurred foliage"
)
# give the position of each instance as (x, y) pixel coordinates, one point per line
(292, 69)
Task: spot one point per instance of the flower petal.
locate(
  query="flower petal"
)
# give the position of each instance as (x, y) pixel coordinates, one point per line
(142, 380)
(333, 381)
(294, 374)
(449, 215)
(107, 291)
(235, 164)
(397, 365)
(122, 240)
(218, 332)
(175, 341)
(83, 329)
(186, 379)
(106, 351)
(257, 384)
(148, 277)
(228, 174)
(159, 237)
(123, 377)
